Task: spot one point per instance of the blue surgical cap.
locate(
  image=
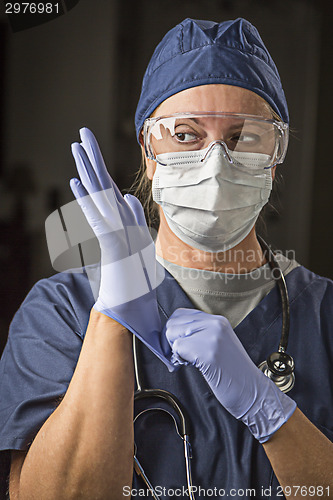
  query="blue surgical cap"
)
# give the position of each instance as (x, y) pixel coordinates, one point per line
(204, 52)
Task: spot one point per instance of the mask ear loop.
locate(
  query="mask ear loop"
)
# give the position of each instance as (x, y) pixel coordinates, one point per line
(224, 147)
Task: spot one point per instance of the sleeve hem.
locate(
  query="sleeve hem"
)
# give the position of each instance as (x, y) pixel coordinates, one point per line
(19, 444)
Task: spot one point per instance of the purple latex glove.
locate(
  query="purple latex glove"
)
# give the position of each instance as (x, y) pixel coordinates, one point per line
(209, 343)
(129, 270)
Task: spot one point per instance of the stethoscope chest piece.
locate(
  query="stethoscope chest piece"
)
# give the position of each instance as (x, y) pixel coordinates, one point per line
(279, 367)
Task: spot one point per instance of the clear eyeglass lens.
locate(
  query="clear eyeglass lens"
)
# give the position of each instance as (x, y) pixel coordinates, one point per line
(193, 132)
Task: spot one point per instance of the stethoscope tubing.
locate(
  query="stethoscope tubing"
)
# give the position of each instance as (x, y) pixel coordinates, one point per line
(281, 282)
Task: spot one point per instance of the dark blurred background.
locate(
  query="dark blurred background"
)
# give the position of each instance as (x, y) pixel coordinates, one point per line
(85, 69)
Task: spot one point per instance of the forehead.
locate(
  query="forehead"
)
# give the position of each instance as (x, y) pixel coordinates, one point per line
(217, 98)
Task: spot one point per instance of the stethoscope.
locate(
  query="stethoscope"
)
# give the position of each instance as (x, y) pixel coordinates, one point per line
(279, 367)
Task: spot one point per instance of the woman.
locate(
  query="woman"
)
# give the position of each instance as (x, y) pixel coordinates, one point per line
(68, 405)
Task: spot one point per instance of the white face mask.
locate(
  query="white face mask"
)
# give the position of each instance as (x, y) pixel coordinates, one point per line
(211, 205)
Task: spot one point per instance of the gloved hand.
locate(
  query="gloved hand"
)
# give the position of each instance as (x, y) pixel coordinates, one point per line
(209, 343)
(129, 271)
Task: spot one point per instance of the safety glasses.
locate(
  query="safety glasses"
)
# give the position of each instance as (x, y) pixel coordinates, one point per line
(237, 133)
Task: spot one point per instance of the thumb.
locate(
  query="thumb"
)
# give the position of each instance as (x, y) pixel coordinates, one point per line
(136, 208)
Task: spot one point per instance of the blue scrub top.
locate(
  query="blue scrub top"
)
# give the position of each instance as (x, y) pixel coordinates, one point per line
(44, 344)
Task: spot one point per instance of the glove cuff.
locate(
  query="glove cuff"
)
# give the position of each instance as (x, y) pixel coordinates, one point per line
(275, 408)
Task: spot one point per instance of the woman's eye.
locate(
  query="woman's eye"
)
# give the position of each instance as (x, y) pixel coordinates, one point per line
(185, 137)
(245, 138)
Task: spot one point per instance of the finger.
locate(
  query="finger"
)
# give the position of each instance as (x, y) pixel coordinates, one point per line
(92, 149)
(94, 217)
(85, 170)
(90, 144)
(136, 208)
(177, 360)
(77, 188)
(83, 198)
(184, 350)
(172, 333)
(187, 317)
(183, 323)
(187, 313)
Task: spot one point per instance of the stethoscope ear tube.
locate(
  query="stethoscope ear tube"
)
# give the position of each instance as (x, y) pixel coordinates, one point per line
(279, 366)
(141, 473)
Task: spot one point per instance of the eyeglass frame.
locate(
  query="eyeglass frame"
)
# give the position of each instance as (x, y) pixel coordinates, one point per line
(282, 127)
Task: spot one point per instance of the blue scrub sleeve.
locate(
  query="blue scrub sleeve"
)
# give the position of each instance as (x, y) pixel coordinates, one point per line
(44, 343)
